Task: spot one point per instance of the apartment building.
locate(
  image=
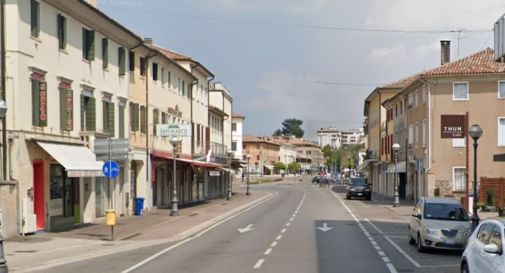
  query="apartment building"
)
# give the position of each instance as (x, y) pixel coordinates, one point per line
(335, 137)
(263, 152)
(237, 129)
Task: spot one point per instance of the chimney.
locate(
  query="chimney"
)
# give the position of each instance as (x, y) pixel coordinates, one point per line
(445, 53)
(148, 41)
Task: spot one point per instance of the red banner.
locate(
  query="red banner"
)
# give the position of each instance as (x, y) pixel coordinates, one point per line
(70, 109)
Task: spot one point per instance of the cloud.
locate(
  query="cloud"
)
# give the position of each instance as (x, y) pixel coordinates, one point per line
(286, 6)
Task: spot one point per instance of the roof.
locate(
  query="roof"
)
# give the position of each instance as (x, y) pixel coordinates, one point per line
(237, 115)
(482, 62)
(400, 84)
(176, 56)
(251, 138)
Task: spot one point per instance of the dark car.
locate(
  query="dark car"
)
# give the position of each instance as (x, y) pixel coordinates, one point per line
(358, 187)
(315, 179)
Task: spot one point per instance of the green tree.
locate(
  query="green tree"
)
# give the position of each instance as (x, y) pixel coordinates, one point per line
(332, 156)
(291, 126)
(350, 155)
(294, 167)
(279, 166)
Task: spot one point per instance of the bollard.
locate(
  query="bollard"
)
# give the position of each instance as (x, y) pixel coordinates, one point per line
(3, 262)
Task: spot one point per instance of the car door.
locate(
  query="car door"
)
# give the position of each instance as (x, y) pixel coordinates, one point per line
(477, 260)
(414, 221)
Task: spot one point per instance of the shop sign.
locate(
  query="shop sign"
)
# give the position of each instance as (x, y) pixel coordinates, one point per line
(214, 173)
(70, 109)
(452, 126)
(166, 130)
(43, 100)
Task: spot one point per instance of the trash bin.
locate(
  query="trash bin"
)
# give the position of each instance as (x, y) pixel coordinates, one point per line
(139, 205)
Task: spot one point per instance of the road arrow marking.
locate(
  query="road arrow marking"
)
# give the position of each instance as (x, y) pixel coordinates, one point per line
(325, 227)
(246, 229)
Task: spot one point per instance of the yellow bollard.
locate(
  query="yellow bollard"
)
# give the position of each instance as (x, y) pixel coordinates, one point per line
(110, 217)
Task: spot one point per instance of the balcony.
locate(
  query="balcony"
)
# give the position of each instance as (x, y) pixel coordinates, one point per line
(219, 149)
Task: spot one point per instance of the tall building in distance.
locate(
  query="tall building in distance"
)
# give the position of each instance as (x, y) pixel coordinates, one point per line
(335, 137)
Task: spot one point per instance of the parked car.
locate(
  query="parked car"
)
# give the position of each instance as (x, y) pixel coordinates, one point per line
(315, 179)
(439, 223)
(484, 251)
(358, 187)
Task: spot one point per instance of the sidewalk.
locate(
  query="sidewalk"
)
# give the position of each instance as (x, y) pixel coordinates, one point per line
(42, 251)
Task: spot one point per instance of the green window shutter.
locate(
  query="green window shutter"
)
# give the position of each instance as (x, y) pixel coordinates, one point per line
(34, 18)
(112, 122)
(91, 45)
(83, 111)
(135, 119)
(155, 120)
(155, 71)
(105, 52)
(121, 121)
(91, 114)
(122, 60)
(63, 109)
(70, 110)
(131, 59)
(62, 31)
(35, 103)
(84, 43)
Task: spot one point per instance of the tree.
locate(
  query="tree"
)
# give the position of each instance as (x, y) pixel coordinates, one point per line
(294, 167)
(279, 166)
(291, 126)
(332, 156)
(350, 155)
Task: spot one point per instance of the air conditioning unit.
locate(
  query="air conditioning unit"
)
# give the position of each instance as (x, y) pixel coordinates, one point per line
(29, 218)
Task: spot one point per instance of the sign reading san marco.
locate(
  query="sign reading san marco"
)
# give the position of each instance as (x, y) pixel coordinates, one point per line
(173, 130)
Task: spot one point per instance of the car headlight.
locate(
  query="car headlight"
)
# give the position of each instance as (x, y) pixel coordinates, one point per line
(352, 189)
(367, 189)
(431, 231)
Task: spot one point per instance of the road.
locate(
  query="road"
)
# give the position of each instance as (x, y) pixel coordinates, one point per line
(302, 229)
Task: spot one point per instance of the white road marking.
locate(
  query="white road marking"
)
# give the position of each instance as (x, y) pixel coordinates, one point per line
(283, 230)
(407, 256)
(259, 263)
(288, 224)
(246, 229)
(278, 237)
(268, 251)
(374, 226)
(273, 244)
(391, 268)
(386, 259)
(291, 219)
(156, 255)
(381, 253)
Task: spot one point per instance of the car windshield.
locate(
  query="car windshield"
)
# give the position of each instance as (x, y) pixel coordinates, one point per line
(448, 212)
(358, 182)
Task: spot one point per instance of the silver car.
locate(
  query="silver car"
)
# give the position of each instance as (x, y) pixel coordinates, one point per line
(439, 223)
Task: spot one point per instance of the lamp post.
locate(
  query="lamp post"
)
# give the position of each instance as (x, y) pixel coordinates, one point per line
(175, 141)
(247, 188)
(396, 148)
(475, 132)
(230, 155)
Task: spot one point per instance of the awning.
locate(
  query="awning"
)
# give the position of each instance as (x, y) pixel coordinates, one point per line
(400, 167)
(78, 160)
(366, 163)
(270, 167)
(192, 162)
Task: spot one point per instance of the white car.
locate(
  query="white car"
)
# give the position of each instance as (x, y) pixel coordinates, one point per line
(484, 251)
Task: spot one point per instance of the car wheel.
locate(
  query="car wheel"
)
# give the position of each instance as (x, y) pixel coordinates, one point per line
(348, 197)
(369, 198)
(464, 268)
(420, 247)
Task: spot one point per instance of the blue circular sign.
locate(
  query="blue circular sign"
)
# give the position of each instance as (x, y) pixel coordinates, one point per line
(110, 169)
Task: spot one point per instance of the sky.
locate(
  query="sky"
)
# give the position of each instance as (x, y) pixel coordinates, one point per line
(315, 60)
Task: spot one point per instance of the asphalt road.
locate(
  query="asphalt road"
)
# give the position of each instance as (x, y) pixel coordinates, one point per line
(303, 229)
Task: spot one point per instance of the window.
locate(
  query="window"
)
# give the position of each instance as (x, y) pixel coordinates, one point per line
(62, 31)
(416, 133)
(459, 180)
(131, 59)
(142, 66)
(105, 53)
(108, 116)
(485, 232)
(39, 100)
(410, 101)
(460, 91)
(88, 115)
(162, 77)
(459, 142)
(35, 18)
(121, 55)
(66, 108)
(164, 118)
(169, 79)
(424, 133)
(143, 120)
(501, 89)
(156, 117)
(416, 99)
(411, 134)
(501, 131)
(155, 71)
(425, 93)
(183, 88)
(134, 116)
(88, 44)
(121, 119)
(234, 146)
(234, 127)
(496, 238)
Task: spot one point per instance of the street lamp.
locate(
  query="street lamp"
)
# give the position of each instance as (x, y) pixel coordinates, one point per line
(475, 132)
(230, 155)
(247, 188)
(396, 148)
(175, 141)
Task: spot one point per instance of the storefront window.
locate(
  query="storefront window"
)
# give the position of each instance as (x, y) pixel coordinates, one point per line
(64, 192)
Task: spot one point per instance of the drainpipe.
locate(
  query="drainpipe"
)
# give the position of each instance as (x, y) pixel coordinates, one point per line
(148, 158)
(4, 120)
(208, 103)
(429, 140)
(192, 122)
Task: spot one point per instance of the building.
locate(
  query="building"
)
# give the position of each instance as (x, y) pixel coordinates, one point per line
(263, 152)
(335, 138)
(237, 128)
(67, 87)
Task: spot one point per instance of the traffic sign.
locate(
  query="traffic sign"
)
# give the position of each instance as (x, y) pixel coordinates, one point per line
(110, 169)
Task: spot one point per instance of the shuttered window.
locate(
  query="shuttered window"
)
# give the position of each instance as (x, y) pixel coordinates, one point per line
(155, 71)
(142, 66)
(62, 31)
(39, 102)
(35, 18)
(131, 59)
(134, 116)
(108, 118)
(143, 121)
(156, 120)
(88, 44)
(121, 52)
(88, 113)
(105, 53)
(66, 109)
(164, 118)
(121, 120)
